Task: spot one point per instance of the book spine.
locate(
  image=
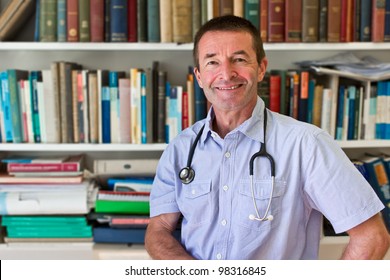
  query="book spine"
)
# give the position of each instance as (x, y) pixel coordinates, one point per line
(334, 20)
(293, 21)
(274, 93)
(84, 21)
(166, 21)
(310, 20)
(303, 96)
(93, 106)
(365, 20)
(72, 20)
(161, 114)
(182, 22)
(61, 20)
(44, 167)
(106, 122)
(5, 100)
(124, 111)
(144, 109)
(132, 20)
(323, 21)
(153, 20)
(118, 21)
(387, 21)
(251, 11)
(141, 21)
(276, 20)
(48, 21)
(378, 21)
(225, 7)
(263, 20)
(97, 20)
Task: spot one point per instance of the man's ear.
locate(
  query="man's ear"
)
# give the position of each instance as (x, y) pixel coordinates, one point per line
(262, 69)
(197, 76)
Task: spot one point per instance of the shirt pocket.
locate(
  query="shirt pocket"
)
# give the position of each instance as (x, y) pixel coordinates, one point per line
(262, 192)
(196, 206)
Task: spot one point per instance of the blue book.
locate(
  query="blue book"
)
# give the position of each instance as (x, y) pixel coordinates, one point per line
(14, 76)
(167, 110)
(118, 21)
(37, 21)
(153, 20)
(387, 129)
(340, 113)
(365, 20)
(310, 101)
(106, 234)
(61, 21)
(380, 126)
(200, 102)
(35, 76)
(106, 119)
(351, 112)
(6, 107)
(143, 109)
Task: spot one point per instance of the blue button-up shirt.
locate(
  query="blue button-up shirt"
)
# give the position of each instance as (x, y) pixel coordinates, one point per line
(313, 176)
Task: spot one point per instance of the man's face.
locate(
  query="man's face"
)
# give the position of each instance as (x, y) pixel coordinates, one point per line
(228, 70)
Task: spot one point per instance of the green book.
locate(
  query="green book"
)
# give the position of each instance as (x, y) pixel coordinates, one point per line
(84, 20)
(64, 231)
(14, 77)
(251, 11)
(130, 207)
(43, 221)
(48, 21)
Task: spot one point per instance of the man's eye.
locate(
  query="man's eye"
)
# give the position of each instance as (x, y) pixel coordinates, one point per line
(239, 59)
(211, 62)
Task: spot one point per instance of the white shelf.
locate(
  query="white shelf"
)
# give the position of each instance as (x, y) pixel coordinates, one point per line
(290, 47)
(364, 144)
(82, 147)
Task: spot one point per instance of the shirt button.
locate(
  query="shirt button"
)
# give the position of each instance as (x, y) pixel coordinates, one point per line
(225, 188)
(219, 256)
(224, 222)
(227, 154)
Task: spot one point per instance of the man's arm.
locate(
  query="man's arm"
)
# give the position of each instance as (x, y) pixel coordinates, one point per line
(369, 240)
(159, 241)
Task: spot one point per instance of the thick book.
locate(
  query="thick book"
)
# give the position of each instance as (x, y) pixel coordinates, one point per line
(118, 21)
(293, 21)
(334, 20)
(122, 206)
(251, 11)
(132, 20)
(97, 20)
(48, 21)
(13, 17)
(153, 20)
(310, 20)
(130, 167)
(182, 21)
(106, 234)
(378, 21)
(69, 164)
(72, 20)
(84, 21)
(276, 21)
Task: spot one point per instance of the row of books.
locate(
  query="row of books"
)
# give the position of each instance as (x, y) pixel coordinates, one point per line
(178, 20)
(68, 104)
(349, 109)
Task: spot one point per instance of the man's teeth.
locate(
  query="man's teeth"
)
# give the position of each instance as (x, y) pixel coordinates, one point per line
(227, 88)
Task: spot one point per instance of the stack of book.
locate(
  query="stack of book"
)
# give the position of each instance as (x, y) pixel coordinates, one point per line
(122, 216)
(46, 198)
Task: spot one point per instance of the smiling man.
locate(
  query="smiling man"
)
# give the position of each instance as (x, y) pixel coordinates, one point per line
(247, 183)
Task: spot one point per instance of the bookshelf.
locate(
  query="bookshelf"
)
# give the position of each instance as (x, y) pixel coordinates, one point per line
(175, 58)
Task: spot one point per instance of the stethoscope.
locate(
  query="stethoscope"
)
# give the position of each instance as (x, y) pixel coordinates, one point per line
(187, 174)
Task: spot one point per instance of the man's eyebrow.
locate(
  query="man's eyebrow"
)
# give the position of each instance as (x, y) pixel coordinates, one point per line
(209, 55)
(241, 52)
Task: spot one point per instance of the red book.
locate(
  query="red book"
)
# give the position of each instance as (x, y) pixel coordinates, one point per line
(378, 21)
(97, 20)
(132, 21)
(72, 20)
(276, 24)
(264, 20)
(293, 26)
(68, 164)
(346, 21)
(274, 93)
(184, 111)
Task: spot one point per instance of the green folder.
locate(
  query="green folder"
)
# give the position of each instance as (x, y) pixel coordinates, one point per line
(49, 231)
(43, 220)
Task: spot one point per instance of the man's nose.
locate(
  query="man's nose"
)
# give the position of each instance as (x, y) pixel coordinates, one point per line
(227, 71)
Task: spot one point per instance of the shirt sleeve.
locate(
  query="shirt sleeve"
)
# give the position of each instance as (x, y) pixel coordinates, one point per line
(334, 185)
(163, 194)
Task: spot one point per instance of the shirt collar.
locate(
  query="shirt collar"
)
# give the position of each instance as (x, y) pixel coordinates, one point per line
(252, 128)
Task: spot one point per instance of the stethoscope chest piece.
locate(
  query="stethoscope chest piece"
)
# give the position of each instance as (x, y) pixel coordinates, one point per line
(187, 175)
